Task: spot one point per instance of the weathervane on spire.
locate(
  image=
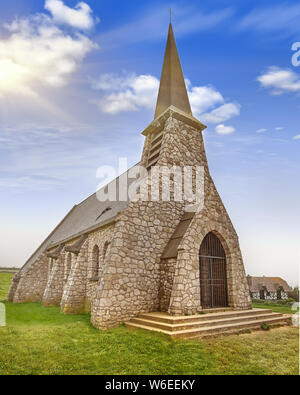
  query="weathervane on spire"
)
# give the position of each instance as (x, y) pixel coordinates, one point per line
(170, 15)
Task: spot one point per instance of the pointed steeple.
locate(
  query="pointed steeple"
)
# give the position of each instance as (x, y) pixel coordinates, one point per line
(172, 90)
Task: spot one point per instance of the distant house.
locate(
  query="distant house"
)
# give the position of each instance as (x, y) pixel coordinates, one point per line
(268, 288)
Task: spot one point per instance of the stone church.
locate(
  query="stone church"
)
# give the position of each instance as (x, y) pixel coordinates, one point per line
(119, 259)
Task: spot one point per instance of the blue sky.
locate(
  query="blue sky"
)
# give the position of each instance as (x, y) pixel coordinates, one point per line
(78, 85)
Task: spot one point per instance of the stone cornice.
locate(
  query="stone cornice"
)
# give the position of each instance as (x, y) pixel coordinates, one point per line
(174, 113)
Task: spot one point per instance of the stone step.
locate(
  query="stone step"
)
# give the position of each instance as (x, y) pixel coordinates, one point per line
(165, 318)
(217, 310)
(202, 323)
(215, 330)
(233, 328)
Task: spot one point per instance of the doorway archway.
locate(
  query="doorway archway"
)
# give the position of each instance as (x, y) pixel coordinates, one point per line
(213, 278)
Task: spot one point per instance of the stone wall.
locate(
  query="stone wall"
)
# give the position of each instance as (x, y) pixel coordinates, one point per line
(80, 288)
(102, 239)
(55, 284)
(167, 273)
(57, 275)
(131, 279)
(32, 282)
(13, 287)
(74, 293)
(186, 288)
(52, 282)
(69, 262)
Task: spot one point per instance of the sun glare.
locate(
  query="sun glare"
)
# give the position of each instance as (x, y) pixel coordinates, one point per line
(12, 75)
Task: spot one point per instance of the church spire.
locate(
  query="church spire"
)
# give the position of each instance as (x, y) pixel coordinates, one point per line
(172, 90)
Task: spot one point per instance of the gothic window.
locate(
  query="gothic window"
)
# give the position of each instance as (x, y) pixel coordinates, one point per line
(95, 262)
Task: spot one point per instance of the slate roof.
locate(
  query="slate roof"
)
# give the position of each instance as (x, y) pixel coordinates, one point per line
(271, 283)
(88, 215)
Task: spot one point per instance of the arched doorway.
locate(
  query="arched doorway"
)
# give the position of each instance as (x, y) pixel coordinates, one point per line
(213, 279)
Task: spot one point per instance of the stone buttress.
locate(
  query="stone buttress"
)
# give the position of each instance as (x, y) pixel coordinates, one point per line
(30, 286)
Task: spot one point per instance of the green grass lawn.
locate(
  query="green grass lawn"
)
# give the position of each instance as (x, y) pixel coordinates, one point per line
(278, 308)
(40, 340)
(5, 280)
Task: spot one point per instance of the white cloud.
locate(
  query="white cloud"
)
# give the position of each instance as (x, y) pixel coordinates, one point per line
(79, 17)
(261, 130)
(132, 93)
(112, 82)
(222, 129)
(129, 93)
(37, 52)
(222, 113)
(296, 137)
(280, 80)
(203, 101)
(203, 98)
(279, 128)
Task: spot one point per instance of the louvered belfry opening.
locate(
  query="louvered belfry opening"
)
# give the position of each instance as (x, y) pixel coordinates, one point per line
(213, 279)
(156, 142)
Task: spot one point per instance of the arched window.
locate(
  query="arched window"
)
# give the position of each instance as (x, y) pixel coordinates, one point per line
(68, 266)
(95, 262)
